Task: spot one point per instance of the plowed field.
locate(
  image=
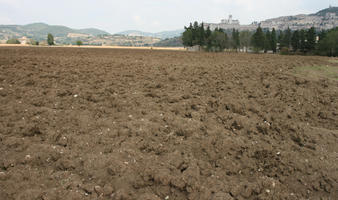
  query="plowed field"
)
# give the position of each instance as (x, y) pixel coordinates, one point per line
(139, 124)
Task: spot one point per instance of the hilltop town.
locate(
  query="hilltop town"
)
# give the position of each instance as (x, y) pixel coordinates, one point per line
(322, 20)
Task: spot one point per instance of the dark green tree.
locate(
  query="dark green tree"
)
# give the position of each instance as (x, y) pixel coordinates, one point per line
(267, 41)
(286, 41)
(295, 41)
(235, 39)
(258, 39)
(219, 40)
(13, 41)
(245, 37)
(50, 39)
(201, 35)
(281, 39)
(322, 35)
(328, 45)
(273, 40)
(79, 43)
(195, 33)
(302, 40)
(187, 37)
(208, 38)
(311, 39)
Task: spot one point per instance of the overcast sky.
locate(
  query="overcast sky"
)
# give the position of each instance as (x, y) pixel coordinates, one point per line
(149, 15)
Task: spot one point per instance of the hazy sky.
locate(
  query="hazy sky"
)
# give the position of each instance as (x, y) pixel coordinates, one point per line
(149, 15)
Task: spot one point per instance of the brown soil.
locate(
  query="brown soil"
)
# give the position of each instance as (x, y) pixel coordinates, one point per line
(142, 124)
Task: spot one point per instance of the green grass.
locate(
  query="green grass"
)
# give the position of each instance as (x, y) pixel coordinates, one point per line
(333, 61)
(330, 72)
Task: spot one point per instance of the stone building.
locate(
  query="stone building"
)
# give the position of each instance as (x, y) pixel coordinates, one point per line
(230, 23)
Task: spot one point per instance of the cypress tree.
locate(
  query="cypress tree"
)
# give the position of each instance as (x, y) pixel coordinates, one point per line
(208, 38)
(50, 39)
(295, 41)
(273, 40)
(187, 37)
(302, 39)
(201, 35)
(287, 38)
(267, 42)
(195, 33)
(311, 39)
(258, 39)
(235, 40)
(281, 39)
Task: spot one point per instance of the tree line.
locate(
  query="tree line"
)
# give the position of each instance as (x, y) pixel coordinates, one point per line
(286, 42)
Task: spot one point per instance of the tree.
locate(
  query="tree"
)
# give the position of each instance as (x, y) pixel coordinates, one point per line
(245, 37)
(281, 39)
(302, 40)
(34, 42)
(50, 39)
(267, 41)
(295, 41)
(235, 40)
(201, 35)
(258, 39)
(79, 43)
(219, 40)
(328, 45)
(322, 35)
(195, 33)
(208, 38)
(13, 41)
(311, 39)
(187, 37)
(273, 40)
(286, 40)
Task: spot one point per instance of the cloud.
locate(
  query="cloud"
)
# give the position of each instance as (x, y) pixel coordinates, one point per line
(11, 3)
(138, 20)
(5, 20)
(257, 10)
(156, 23)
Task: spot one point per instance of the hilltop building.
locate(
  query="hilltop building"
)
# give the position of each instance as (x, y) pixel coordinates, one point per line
(230, 23)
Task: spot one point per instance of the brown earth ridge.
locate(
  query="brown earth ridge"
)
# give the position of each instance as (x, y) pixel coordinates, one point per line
(141, 124)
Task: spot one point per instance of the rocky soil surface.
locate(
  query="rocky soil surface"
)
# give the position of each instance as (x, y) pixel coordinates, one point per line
(140, 124)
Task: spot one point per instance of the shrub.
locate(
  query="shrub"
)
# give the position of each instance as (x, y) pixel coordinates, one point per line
(13, 41)
(50, 39)
(33, 42)
(79, 43)
(284, 51)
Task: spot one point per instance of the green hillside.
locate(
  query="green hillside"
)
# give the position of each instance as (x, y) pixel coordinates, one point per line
(39, 31)
(327, 10)
(170, 42)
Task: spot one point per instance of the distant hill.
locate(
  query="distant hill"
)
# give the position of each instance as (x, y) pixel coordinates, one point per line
(170, 42)
(322, 20)
(324, 12)
(39, 31)
(161, 35)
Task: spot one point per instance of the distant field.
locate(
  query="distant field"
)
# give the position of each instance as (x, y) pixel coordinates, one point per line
(100, 47)
(333, 60)
(123, 124)
(318, 72)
